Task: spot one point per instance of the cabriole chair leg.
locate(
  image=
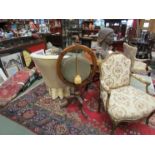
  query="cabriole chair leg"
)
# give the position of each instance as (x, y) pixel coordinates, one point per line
(114, 126)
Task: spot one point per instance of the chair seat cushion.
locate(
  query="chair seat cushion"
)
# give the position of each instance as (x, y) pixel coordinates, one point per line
(128, 103)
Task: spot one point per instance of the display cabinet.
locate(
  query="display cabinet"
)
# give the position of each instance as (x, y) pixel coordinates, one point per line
(89, 27)
(71, 30)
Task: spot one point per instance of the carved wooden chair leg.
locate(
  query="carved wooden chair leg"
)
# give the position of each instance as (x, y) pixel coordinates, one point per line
(114, 126)
(147, 119)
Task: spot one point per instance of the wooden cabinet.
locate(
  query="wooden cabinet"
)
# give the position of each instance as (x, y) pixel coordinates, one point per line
(55, 26)
(88, 28)
(18, 45)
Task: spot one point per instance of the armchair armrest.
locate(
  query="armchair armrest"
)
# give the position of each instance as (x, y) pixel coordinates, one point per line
(105, 87)
(142, 60)
(141, 67)
(149, 68)
(146, 86)
(141, 79)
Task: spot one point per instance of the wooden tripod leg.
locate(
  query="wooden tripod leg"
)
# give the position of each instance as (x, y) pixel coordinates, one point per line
(81, 106)
(68, 102)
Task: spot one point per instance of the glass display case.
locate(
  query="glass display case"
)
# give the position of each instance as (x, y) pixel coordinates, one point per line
(71, 30)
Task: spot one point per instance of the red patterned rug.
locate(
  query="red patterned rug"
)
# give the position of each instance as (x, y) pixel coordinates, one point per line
(42, 115)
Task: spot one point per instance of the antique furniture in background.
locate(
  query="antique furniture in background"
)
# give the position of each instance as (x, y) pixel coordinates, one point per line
(137, 65)
(76, 71)
(76, 65)
(47, 66)
(144, 49)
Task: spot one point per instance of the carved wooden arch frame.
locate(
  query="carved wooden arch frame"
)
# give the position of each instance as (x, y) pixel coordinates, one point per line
(69, 49)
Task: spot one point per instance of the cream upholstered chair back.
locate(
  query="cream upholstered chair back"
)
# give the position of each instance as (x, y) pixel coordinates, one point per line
(115, 70)
(47, 66)
(130, 52)
(137, 65)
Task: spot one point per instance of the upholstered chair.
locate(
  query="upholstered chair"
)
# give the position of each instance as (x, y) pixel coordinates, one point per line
(122, 101)
(47, 66)
(137, 65)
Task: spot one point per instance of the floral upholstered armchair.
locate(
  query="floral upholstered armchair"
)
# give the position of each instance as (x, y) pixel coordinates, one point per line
(122, 101)
(137, 65)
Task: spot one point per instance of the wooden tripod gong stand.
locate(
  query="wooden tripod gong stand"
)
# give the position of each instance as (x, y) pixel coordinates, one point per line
(78, 82)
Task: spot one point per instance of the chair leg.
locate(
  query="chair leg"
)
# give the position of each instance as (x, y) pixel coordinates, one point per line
(147, 119)
(114, 126)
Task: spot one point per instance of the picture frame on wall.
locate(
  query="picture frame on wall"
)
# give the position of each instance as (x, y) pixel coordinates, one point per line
(12, 63)
(2, 76)
(27, 58)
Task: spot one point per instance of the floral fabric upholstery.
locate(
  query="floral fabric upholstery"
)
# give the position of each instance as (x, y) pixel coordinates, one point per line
(104, 92)
(104, 97)
(129, 103)
(125, 103)
(115, 70)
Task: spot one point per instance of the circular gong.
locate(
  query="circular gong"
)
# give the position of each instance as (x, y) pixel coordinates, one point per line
(76, 67)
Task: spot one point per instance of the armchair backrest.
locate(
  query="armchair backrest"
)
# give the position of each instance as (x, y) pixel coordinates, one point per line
(115, 70)
(130, 52)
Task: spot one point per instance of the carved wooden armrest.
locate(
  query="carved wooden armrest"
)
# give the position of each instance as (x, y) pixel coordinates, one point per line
(149, 68)
(142, 60)
(141, 79)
